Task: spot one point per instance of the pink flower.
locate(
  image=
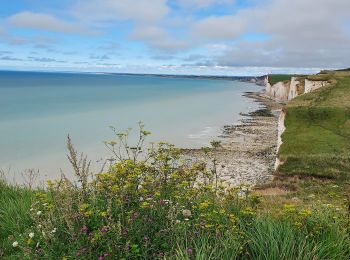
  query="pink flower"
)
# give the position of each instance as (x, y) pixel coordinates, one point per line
(100, 258)
(84, 229)
(190, 251)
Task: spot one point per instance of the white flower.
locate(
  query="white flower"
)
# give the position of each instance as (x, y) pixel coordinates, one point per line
(53, 231)
(186, 213)
(31, 234)
(40, 226)
(37, 244)
(15, 244)
(31, 209)
(186, 219)
(39, 213)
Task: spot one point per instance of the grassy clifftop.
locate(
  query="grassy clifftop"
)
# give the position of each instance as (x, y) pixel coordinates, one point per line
(275, 78)
(317, 137)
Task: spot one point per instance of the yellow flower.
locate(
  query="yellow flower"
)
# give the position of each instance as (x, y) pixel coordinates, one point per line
(103, 214)
(144, 204)
(83, 207)
(88, 213)
(203, 205)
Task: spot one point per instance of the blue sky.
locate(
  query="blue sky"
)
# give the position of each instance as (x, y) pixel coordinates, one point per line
(228, 37)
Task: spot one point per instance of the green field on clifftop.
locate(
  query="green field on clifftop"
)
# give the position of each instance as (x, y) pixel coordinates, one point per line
(317, 137)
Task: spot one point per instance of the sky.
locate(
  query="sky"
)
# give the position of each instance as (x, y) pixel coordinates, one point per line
(215, 37)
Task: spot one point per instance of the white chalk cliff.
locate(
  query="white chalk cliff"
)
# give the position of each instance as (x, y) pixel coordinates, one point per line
(284, 92)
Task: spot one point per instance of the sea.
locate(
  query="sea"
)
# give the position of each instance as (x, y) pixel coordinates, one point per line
(38, 110)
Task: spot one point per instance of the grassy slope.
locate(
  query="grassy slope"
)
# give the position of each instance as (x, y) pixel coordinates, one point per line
(274, 78)
(317, 139)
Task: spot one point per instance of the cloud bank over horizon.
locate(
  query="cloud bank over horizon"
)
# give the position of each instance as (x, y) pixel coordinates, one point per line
(229, 37)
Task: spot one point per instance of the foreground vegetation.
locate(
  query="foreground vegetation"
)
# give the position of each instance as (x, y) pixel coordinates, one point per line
(317, 137)
(150, 205)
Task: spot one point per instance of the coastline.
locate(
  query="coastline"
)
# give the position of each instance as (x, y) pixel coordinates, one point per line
(249, 148)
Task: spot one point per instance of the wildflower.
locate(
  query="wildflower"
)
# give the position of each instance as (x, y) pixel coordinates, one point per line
(15, 244)
(146, 238)
(203, 205)
(31, 209)
(100, 258)
(125, 231)
(31, 235)
(106, 254)
(186, 219)
(186, 213)
(84, 229)
(103, 230)
(53, 231)
(190, 251)
(161, 254)
(39, 213)
(39, 226)
(37, 244)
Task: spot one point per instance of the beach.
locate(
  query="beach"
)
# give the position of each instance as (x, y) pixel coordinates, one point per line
(248, 151)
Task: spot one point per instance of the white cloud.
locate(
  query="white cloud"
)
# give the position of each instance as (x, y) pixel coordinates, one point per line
(113, 10)
(219, 27)
(157, 38)
(43, 22)
(300, 33)
(203, 3)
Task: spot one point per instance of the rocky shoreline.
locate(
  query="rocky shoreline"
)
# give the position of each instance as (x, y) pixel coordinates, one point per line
(248, 151)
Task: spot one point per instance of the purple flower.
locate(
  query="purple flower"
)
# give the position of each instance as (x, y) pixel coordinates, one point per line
(103, 230)
(146, 238)
(106, 254)
(100, 258)
(161, 254)
(190, 251)
(84, 229)
(134, 216)
(125, 231)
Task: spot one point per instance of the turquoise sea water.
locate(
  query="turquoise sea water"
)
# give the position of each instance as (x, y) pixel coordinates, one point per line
(38, 110)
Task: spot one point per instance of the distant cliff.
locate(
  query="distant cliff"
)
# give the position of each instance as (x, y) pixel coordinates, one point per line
(285, 91)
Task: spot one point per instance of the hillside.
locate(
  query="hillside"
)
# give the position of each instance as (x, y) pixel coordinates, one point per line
(317, 137)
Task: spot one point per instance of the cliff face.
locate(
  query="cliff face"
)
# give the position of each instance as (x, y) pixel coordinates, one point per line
(281, 129)
(278, 91)
(284, 92)
(287, 90)
(311, 85)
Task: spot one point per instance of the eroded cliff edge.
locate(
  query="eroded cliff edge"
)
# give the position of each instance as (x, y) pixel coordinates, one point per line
(285, 91)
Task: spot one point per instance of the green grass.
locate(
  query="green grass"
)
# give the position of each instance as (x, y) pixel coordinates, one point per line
(274, 78)
(317, 137)
(15, 203)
